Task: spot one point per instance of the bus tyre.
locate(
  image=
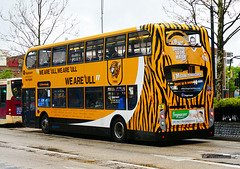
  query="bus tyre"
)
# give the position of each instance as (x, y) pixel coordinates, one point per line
(45, 124)
(119, 130)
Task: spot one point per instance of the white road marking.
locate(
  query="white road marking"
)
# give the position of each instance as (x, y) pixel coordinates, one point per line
(196, 160)
(129, 164)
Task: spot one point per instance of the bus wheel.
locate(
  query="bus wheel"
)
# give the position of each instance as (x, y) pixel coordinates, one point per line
(45, 124)
(119, 130)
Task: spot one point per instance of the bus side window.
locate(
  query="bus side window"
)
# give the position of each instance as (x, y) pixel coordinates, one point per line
(132, 97)
(94, 50)
(94, 98)
(3, 96)
(116, 97)
(44, 58)
(115, 47)
(76, 97)
(31, 60)
(76, 53)
(59, 98)
(44, 97)
(59, 55)
(139, 44)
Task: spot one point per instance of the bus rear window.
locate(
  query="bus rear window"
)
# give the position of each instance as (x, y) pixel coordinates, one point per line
(186, 80)
(183, 38)
(16, 89)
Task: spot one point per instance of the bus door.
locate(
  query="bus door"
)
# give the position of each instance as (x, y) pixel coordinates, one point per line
(29, 107)
(3, 110)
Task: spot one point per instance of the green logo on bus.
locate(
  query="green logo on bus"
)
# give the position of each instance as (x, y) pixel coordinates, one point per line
(180, 114)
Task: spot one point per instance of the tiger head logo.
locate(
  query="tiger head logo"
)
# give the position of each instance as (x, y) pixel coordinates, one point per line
(115, 69)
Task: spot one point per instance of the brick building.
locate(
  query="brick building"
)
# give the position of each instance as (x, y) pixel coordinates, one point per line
(14, 63)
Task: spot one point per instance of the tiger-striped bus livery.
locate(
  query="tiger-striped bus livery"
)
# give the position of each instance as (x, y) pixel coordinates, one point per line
(149, 83)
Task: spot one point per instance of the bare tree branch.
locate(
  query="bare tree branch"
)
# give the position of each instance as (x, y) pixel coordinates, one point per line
(36, 23)
(227, 18)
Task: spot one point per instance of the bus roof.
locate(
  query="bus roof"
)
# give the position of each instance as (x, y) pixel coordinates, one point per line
(85, 38)
(163, 25)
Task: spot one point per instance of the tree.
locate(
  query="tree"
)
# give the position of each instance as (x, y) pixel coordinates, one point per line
(227, 17)
(7, 73)
(37, 23)
(235, 74)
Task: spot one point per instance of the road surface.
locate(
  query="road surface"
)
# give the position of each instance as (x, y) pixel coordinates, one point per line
(28, 148)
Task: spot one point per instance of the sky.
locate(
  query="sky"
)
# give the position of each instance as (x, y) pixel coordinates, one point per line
(118, 14)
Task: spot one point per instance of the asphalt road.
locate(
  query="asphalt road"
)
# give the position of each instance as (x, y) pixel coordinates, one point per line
(27, 148)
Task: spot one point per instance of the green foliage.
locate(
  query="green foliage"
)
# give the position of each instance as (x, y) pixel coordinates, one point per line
(7, 73)
(235, 71)
(230, 106)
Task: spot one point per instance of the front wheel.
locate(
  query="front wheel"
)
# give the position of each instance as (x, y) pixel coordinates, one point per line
(119, 130)
(45, 124)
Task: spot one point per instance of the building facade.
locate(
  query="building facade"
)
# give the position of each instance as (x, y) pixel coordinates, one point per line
(14, 63)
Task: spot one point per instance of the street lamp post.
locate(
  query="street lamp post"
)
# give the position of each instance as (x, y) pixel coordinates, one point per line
(212, 46)
(234, 57)
(102, 3)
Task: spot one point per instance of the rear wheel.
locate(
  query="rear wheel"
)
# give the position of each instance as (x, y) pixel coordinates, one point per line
(119, 130)
(45, 124)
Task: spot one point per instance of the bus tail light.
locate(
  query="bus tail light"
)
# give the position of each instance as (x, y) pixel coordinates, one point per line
(211, 113)
(162, 116)
(162, 120)
(205, 53)
(163, 52)
(9, 111)
(211, 117)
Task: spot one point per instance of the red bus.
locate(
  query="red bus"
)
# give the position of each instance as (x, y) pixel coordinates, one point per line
(10, 101)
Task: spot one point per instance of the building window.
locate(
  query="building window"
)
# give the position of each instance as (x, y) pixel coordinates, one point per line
(116, 97)
(76, 98)
(94, 98)
(44, 97)
(59, 98)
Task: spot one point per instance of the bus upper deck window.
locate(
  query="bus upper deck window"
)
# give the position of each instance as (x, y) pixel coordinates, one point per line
(94, 50)
(139, 43)
(44, 57)
(31, 60)
(59, 55)
(115, 47)
(76, 53)
(184, 38)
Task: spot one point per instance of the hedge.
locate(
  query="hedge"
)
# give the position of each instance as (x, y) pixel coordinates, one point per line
(227, 107)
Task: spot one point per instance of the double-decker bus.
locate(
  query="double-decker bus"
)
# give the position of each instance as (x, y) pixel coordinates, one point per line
(10, 101)
(148, 83)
